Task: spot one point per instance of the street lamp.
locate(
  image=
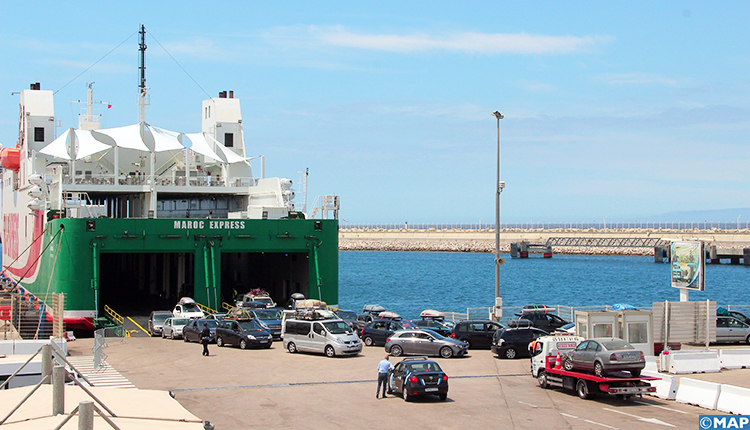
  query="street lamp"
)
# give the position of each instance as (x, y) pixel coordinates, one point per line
(499, 189)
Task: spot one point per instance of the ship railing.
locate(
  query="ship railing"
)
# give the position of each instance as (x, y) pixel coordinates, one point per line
(166, 180)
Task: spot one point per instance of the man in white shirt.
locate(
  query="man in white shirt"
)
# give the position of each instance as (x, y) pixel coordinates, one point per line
(384, 367)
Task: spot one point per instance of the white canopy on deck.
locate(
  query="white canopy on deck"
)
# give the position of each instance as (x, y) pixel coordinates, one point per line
(89, 142)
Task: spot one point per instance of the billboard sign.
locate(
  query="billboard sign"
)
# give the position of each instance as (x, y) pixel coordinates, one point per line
(688, 265)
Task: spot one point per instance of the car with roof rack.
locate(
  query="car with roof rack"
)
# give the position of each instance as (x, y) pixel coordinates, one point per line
(417, 377)
(513, 341)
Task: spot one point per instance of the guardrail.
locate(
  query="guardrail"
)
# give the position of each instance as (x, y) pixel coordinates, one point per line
(712, 226)
(206, 310)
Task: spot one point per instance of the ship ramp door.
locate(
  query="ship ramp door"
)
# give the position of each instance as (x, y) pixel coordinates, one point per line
(134, 284)
(279, 273)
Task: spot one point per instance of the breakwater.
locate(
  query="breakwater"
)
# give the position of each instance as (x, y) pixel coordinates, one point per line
(465, 240)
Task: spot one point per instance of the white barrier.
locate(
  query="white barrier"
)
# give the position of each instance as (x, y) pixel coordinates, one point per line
(734, 358)
(16, 346)
(666, 388)
(693, 361)
(701, 393)
(651, 363)
(735, 400)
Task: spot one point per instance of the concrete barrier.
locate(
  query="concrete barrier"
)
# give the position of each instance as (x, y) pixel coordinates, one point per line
(700, 393)
(666, 388)
(18, 346)
(693, 362)
(734, 358)
(651, 363)
(735, 400)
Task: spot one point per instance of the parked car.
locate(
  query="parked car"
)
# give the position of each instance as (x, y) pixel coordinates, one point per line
(444, 328)
(740, 316)
(476, 333)
(192, 331)
(243, 333)
(331, 337)
(414, 377)
(376, 332)
(569, 328)
(424, 342)
(187, 310)
(730, 329)
(543, 320)
(513, 342)
(216, 316)
(266, 300)
(156, 321)
(172, 327)
(603, 356)
(270, 319)
(350, 317)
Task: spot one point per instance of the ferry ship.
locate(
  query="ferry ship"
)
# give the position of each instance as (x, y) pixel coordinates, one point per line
(136, 217)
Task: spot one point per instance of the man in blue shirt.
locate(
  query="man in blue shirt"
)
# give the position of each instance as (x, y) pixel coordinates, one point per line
(384, 367)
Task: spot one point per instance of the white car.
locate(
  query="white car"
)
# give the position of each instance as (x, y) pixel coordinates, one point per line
(172, 328)
(187, 310)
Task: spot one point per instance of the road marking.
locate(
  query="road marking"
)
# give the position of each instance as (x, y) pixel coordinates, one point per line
(648, 420)
(528, 404)
(660, 407)
(137, 325)
(588, 421)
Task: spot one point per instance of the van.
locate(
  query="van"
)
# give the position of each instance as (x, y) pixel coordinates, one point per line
(329, 336)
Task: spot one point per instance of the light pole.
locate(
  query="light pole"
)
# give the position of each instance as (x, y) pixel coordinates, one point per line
(499, 189)
(738, 222)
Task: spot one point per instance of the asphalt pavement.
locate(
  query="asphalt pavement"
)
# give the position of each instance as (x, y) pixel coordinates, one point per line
(236, 389)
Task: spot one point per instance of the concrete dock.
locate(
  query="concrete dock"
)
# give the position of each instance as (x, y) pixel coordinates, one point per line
(236, 389)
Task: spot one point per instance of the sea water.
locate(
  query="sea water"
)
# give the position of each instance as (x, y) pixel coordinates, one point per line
(409, 282)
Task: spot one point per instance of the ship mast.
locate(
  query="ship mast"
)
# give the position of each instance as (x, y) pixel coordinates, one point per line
(142, 81)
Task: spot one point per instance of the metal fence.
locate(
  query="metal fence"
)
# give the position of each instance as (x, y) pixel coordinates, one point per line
(705, 225)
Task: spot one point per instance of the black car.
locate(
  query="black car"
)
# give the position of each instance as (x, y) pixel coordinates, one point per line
(441, 327)
(418, 377)
(244, 333)
(376, 332)
(477, 333)
(513, 342)
(192, 331)
(543, 320)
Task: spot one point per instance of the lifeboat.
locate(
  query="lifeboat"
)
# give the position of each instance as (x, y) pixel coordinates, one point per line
(10, 158)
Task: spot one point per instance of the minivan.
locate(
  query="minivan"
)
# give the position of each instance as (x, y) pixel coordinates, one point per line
(331, 337)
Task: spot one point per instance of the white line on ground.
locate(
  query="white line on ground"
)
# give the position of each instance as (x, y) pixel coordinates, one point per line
(528, 404)
(648, 420)
(659, 406)
(588, 421)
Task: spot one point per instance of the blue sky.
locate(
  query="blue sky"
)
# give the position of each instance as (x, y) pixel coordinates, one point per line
(621, 110)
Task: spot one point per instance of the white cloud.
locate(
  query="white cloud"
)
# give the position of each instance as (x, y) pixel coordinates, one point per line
(468, 42)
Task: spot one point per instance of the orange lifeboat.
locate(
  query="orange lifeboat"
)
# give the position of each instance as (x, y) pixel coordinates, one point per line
(10, 158)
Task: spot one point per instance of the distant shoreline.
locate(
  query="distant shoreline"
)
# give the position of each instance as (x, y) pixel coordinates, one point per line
(483, 241)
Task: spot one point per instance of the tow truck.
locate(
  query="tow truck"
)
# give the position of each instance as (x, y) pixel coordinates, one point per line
(543, 367)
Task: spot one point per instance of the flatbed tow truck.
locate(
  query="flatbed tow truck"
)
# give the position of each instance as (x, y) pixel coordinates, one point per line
(543, 360)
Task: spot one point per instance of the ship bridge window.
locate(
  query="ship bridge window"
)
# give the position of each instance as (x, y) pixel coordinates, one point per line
(38, 134)
(229, 140)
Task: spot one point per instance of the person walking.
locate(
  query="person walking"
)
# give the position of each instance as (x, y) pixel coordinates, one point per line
(205, 337)
(384, 367)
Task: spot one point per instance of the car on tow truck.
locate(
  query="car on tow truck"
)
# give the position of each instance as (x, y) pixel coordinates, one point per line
(418, 376)
(604, 356)
(545, 368)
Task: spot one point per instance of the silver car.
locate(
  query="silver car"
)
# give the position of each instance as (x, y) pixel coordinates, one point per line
(730, 329)
(424, 342)
(603, 356)
(173, 327)
(156, 321)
